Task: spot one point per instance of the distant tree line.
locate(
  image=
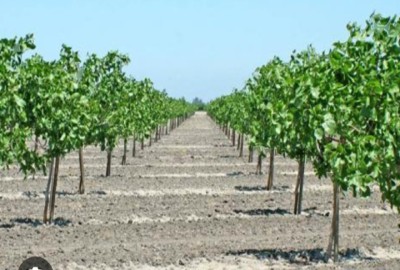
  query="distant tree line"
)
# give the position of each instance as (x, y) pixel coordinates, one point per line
(199, 104)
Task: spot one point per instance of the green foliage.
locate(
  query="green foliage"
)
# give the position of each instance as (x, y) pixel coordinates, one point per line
(199, 104)
(66, 104)
(338, 109)
(14, 131)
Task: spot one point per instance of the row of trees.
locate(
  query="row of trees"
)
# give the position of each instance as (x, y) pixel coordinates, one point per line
(50, 108)
(339, 110)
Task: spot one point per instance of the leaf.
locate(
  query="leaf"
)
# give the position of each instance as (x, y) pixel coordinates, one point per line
(19, 101)
(315, 92)
(329, 124)
(318, 134)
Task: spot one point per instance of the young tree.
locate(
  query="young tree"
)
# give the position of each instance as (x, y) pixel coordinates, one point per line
(14, 122)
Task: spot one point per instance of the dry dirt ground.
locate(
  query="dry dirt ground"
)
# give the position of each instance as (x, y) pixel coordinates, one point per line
(189, 202)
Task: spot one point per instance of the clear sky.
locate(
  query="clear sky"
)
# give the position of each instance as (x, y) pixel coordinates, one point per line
(202, 48)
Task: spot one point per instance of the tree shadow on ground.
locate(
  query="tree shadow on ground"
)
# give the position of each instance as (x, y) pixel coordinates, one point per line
(235, 173)
(301, 257)
(101, 176)
(227, 156)
(223, 145)
(260, 188)
(31, 194)
(312, 211)
(61, 222)
(262, 212)
(65, 193)
(35, 194)
(97, 192)
(6, 225)
(250, 188)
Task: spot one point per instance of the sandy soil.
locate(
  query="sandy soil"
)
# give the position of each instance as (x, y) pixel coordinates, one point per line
(189, 202)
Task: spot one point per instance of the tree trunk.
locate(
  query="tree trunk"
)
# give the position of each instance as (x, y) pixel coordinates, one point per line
(150, 139)
(108, 169)
(233, 137)
(123, 162)
(134, 146)
(167, 127)
(81, 189)
(36, 143)
(156, 135)
(251, 153)
(238, 142)
(334, 236)
(46, 197)
(54, 189)
(142, 144)
(241, 146)
(299, 187)
(259, 163)
(271, 169)
(35, 149)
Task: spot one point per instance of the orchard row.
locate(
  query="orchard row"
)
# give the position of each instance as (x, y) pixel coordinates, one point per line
(339, 110)
(50, 108)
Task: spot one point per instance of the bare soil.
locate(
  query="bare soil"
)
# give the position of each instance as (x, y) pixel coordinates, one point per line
(189, 202)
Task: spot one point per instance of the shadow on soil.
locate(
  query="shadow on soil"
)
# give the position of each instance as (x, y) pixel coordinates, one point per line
(227, 156)
(34, 194)
(31, 194)
(235, 173)
(260, 188)
(262, 212)
(66, 193)
(97, 192)
(223, 145)
(61, 222)
(301, 257)
(314, 212)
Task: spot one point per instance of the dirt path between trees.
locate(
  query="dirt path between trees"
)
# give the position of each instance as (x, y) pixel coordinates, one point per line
(189, 202)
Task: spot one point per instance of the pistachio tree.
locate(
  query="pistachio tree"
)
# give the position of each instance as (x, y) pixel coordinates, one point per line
(107, 102)
(14, 129)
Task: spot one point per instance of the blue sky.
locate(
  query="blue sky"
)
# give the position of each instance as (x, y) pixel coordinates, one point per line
(202, 48)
